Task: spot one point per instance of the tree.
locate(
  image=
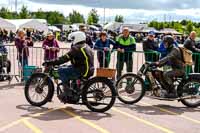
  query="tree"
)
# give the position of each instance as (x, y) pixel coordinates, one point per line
(184, 22)
(40, 14)
(119, 18)
(75, 17)
(24, 13)
(161, 26)
(55, 17)
(5, 13)
(93, 17)
(189, 27)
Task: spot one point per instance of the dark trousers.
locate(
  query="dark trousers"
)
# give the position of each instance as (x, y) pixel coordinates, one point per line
(121, 59)
(197, 66)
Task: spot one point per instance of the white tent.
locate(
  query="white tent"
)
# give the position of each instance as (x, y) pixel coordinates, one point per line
(112, 26)
(35, 24)
(4, 24)
(53, 28)
(39, 24)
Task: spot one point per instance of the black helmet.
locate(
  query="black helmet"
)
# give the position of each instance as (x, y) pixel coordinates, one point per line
(168, 40)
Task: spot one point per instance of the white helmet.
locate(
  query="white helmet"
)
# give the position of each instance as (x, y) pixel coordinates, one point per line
(77, 37)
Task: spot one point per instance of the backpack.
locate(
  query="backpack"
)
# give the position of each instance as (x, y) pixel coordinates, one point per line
(186, 56)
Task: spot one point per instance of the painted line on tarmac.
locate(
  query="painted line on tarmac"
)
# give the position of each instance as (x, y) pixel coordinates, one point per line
(2, 129)
(143, 121)
(31, 126)
(87, 122)
(172, 113)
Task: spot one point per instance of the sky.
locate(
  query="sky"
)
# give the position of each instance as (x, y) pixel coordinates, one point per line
(134, 11)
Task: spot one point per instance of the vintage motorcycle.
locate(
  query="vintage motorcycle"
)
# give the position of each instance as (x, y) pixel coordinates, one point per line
(97, 93)
(131, 87)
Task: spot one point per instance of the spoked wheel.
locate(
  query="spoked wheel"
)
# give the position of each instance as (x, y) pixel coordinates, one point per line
(2, 75)
(99, 94)
(191, 90)
(39, 90)
(130, 89)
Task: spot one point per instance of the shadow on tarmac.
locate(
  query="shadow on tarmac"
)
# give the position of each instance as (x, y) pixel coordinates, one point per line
(59, 114)
(11, 86)
(154, 109)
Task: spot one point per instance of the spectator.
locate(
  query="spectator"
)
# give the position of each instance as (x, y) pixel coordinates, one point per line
(7, 64)
(103, 47)
(88, 38)
(190, 44)
(28, 33)
(1, 35)
(5, 35)
(22, 43)
(125, 45)
(150, 45)
(12, 35)
(162, 48)
(51, 47)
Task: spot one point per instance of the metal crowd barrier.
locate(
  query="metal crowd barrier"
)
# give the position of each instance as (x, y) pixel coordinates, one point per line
(9, 67)
(128, 61)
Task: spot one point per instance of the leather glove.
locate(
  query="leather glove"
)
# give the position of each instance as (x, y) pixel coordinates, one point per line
(48, 63)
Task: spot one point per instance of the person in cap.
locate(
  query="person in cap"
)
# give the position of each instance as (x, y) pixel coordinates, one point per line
(162, 48)
(82, 64)
(51, 47)
(22, 43)
(150, 47)
(190, 44)
(103, 45)
(88, 37)
(125, 45)
(174, 56)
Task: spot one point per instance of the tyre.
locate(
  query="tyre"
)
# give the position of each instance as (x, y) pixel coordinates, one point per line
(99, 94)
(190, 88)
(39, 89)
(130, 88)
(2, 76)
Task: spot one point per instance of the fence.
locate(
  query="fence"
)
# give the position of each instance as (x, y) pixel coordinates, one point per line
(134, 60)
(9, 66)
(109, 59)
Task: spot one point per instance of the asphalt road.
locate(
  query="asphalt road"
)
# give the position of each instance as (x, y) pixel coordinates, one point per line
(149, 115)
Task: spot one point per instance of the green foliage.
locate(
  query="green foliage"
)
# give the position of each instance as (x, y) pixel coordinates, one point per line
(119, 18)
(189, 27)
(5, 13)
(93, 17)
(55, 17)
(185, 26)
(40, 14)
(75, 17)
(24, 13)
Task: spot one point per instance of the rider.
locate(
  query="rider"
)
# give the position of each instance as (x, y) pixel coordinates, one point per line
(82, 60)
(178, 68)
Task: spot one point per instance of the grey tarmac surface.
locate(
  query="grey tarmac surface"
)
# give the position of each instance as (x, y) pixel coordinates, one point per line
(149, 115)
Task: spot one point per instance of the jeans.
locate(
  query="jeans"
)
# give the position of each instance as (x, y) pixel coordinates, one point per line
(23, 62)
(68, 73)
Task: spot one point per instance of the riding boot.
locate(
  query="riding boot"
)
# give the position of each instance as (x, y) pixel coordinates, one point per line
(66, 94)
(172, 92)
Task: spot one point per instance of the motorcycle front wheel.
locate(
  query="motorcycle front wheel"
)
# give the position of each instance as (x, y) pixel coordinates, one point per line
(39, 89)
(130, 88)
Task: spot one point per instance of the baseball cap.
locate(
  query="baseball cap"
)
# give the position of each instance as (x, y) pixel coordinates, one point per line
(151, 33)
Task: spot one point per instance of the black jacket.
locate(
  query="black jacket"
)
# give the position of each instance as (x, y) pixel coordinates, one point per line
(81, 57)
(89, 41)
(191, 45)
(150, 45)
(175, 59)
